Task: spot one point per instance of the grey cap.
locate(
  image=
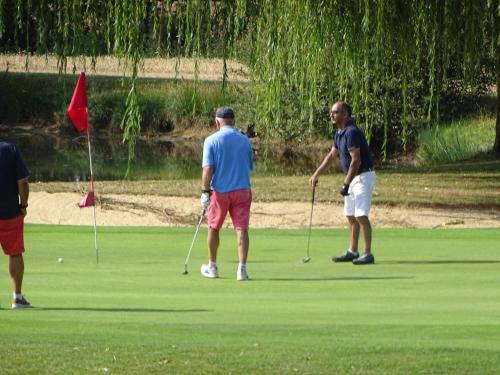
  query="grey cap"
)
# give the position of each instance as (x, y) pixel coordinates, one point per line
(224, 112)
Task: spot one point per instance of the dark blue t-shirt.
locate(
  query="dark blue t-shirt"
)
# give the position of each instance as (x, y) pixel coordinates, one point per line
(12, 169)
(349, 138)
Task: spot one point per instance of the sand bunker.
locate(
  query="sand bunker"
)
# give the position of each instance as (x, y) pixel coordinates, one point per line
(137, 210)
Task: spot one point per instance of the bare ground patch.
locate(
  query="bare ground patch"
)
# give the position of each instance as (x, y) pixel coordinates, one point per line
(183, 68)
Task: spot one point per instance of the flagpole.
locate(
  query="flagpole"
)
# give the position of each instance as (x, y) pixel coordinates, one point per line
(92, 189)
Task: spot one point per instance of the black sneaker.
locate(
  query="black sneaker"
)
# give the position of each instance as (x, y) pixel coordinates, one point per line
(20, 303)
(364, 259)
(346, 257)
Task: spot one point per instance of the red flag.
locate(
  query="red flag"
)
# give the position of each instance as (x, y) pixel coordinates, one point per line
(77, 110)
(88, 200)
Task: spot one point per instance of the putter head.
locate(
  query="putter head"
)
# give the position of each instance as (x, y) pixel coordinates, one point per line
(185, 272)
(305, 260)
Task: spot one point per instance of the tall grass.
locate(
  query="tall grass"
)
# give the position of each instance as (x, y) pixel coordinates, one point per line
(456, 141)
(45, 97)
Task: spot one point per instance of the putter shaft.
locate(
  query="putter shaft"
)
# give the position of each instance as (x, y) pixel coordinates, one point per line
(192, 242)
(308, 258)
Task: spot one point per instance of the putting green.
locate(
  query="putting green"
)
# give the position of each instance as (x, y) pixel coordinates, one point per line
(429, 305)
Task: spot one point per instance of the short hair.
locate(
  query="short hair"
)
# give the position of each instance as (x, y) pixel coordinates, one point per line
(347, 108)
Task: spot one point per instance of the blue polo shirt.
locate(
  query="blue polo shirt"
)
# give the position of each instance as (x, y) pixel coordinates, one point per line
(12, 169)
(348, 138)
(230, 154)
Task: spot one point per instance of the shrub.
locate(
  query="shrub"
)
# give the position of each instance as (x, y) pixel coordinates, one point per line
(456, 141)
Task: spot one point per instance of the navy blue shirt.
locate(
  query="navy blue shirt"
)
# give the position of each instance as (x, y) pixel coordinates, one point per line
(349, 138)
(12, 169)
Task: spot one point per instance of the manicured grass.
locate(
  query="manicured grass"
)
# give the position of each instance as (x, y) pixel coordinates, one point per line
(429, 306)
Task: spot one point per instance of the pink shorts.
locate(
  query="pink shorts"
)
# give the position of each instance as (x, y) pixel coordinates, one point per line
(11, 235)
(237, 202)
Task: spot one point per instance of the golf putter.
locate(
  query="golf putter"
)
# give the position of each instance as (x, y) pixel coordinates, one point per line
(185, 272)
(307, 258)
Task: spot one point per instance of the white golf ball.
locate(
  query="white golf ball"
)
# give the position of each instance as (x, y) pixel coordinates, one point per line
(60, 260)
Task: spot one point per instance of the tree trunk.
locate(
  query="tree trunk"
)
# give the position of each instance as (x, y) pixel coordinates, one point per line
(496, 147)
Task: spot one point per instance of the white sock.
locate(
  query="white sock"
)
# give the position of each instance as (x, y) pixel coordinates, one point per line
(17, 295)
(352, 252)
(242, 266)
(212, 264)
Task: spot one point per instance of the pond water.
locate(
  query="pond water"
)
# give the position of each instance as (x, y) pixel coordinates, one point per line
(65, 157)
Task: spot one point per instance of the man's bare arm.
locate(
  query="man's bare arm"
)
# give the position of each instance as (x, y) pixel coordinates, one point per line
(24, 192)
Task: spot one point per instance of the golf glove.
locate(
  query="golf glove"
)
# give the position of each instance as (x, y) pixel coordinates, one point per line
(205, 200)
(344, 190)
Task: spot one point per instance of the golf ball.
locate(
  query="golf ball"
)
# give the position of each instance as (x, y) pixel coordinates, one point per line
(60, 260)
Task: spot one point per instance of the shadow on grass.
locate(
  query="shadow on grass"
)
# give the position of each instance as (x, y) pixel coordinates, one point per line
(439, 261)
(132, 310)
(346, 278)
(258, 261)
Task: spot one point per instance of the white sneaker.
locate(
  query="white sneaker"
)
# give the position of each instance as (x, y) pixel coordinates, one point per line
(242, 275)
(210, 272)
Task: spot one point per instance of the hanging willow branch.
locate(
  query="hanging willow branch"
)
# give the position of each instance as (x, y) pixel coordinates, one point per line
(129, 15)
(389, 59)
(2, 18)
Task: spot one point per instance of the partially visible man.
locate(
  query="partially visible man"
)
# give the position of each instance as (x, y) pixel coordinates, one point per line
(14, 192)
(357, 164)
(227, 163)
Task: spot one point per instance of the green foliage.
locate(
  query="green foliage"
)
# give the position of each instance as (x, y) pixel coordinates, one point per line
(372, 54)
(456, 141)
(107, 108)
(2, 17)
(393, 61)
(32, 98)
(131, 123)
(163, 104)
(194, 100)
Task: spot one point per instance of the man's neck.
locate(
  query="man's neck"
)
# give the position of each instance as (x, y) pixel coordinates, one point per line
(344, 125)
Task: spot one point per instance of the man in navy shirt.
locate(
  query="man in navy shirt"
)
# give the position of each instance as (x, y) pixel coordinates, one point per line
(356, 161)
(14, 192)
(227, 163)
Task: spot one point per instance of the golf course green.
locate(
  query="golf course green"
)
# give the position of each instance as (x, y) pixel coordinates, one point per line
(430, 304)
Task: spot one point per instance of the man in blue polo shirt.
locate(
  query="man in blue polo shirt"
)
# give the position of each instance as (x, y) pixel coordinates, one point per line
(14, 192)
(357, 164)
(227, 163)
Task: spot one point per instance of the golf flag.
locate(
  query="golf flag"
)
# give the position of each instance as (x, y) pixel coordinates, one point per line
(78, 114)
(77, 110)
(87, 201)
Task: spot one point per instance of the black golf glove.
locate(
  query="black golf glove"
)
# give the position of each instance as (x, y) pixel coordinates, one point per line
(344, 190)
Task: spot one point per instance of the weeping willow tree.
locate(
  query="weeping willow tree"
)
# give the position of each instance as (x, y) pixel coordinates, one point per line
(128, 29)
(392, 60)
(496, 147)
(395, 61)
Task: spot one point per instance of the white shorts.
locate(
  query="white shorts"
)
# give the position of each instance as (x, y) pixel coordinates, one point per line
(359, 200)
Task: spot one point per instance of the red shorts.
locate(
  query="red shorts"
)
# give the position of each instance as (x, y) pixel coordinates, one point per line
(237, 202)
(11, 235)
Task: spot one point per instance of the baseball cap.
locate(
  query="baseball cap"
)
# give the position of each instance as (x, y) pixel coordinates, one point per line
(224, 112)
